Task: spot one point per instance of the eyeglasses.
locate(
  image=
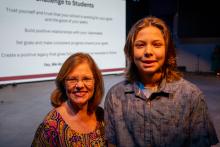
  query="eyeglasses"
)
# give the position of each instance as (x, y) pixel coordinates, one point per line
(88, 81)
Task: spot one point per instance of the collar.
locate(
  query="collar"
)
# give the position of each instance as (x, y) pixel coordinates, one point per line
(164, 88)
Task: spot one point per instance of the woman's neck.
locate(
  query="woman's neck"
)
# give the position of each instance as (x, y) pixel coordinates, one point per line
(78, 120)
(74, 110)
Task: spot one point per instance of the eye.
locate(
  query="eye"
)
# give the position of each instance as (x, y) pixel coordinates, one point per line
(139, 45)
(157, 44)
(71, 80)
(87, 79)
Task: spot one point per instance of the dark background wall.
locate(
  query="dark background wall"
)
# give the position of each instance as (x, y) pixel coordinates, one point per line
(195, 19)
(194, 26)
(198, 19)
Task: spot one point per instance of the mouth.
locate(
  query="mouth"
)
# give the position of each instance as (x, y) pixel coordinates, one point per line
(79, 93)
(149, 63)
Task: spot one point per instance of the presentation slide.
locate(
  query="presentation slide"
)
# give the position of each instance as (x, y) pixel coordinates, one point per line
(37, 36)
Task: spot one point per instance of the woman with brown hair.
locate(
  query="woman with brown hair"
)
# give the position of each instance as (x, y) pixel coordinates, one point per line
(154, 106)
(76, 119)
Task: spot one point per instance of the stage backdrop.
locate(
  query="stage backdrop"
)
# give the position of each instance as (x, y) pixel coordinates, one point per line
(38, 35)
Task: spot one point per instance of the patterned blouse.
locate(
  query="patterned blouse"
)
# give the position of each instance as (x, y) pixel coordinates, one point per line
(54, 131)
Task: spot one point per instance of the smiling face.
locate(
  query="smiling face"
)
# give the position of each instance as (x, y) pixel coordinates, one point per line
(149, 50)
(80, 84)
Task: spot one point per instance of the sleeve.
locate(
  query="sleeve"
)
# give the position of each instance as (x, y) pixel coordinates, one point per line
(45, 136)
(109, 119)
(202, 132)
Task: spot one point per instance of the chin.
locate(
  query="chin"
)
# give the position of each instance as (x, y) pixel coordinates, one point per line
(149, 71)
(81, 104)
(79, 100)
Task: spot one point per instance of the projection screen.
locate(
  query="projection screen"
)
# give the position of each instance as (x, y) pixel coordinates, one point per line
(37, 36)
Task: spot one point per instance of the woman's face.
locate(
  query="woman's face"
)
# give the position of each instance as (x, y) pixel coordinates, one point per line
(80, 84)
(149, 50)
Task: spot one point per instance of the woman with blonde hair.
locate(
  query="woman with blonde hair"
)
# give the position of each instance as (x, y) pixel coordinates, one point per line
(76, 119)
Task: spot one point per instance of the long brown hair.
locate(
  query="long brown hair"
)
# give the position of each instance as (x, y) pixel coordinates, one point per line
(59, 96)
(169, 68)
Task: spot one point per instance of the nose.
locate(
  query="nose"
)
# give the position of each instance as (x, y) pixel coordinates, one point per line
(79, 84)
(148, 51)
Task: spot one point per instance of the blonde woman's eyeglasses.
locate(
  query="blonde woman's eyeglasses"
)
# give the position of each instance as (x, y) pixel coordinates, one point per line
(88, 81)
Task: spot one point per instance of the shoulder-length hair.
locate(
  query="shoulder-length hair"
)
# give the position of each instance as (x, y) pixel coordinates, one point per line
(169, 69)
(59, 96)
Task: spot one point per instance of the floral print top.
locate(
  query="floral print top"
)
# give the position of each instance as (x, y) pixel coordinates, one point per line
(54, 131)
